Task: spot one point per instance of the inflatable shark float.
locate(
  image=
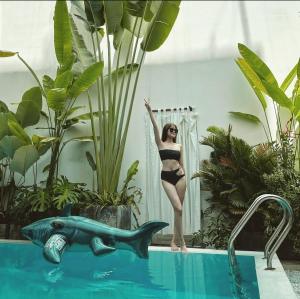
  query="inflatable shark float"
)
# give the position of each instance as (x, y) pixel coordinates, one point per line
(57, 234)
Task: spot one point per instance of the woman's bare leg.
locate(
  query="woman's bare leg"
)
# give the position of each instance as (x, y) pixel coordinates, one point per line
(180, 189)
(177, 206)
(174, 240)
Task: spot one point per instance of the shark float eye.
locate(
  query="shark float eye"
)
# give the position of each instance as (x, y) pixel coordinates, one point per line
(57, 224)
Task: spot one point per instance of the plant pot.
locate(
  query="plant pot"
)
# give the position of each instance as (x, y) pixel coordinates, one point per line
(115, 216)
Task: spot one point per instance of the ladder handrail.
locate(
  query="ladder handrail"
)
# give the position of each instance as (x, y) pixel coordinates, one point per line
(271, 245)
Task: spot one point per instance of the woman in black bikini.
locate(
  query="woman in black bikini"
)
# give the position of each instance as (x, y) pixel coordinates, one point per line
(172, 174)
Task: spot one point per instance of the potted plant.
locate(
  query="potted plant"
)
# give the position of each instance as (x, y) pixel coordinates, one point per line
(116, 209)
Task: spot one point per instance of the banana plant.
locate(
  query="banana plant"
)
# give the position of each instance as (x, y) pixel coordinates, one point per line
(60, 93)
(265, 85)
(129, 30)
(18, 151)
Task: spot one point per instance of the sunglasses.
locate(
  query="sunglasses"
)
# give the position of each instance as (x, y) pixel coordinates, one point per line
(172, 130)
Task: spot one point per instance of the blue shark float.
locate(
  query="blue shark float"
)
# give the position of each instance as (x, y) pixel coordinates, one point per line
(57, 234)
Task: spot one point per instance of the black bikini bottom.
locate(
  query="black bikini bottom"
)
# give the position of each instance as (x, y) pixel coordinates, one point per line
(171, 176)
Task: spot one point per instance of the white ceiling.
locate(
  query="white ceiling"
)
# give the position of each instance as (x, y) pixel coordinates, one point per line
(204, 30)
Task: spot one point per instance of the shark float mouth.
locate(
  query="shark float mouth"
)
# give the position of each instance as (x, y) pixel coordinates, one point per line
(57, 234)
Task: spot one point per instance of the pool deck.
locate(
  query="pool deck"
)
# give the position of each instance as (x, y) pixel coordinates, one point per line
(271, 283)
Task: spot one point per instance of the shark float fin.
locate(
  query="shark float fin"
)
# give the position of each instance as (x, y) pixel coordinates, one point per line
(99, 248)
(143, 236)
(54, 248)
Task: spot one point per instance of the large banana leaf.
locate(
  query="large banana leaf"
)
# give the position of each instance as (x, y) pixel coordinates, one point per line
(85, 116)
(298, 69)
(3, 107)
(7, 53)
(113, 15)
(128, 22)
(297, 104)
(254, 81)
(56, 98)
(63, 80)
(84, 55)
(4, 129)
(136, 8)
(256, 63)
(28, 112)
(245, 116)
(86, 79)
(161, 25)
(24, 158)
(2, 155)
(48, 83)
(94, 11)
(9, 144)
(278, 96)
(42, 144)
(18, 131)
(250, 74)
(289, 78)
(62, 33)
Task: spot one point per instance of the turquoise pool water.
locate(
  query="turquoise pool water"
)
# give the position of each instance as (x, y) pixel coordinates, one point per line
(166, 275)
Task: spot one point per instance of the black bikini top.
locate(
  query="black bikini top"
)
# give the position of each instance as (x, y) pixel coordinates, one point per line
(169, 154)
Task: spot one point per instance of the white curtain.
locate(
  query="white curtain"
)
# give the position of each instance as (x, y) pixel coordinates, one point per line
(158, 205)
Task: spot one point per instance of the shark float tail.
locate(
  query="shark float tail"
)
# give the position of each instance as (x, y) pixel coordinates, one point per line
(143, 236)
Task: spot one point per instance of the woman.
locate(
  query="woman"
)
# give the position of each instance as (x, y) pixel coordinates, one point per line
(172, 174)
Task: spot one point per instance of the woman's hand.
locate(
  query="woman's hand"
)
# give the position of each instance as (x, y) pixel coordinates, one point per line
(147, 105)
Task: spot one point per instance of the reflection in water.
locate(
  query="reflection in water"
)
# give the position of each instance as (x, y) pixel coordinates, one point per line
(25, 274)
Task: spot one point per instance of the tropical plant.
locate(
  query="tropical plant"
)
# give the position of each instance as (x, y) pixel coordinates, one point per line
(234, 176)
(18, 151)
(285, 178)
(265, 85)
(285, 182)
(127, 196)
(62, 92)
(30, 199)
(126, 27)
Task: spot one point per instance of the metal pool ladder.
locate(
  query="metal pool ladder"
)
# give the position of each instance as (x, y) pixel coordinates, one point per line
(278, 236)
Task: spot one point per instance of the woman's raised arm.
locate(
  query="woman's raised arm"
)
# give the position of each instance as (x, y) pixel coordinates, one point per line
(155, 126)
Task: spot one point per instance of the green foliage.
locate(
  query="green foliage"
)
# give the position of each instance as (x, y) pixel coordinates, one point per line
(127, 196)
(31, 199)
(133, 25)
(28, 112)
(285, 182)
(24, 158)
(217, 232)
(234, 176)
(264, 84)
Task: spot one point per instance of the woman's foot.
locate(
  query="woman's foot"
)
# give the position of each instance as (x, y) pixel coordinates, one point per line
(174, 247)
(184, 249)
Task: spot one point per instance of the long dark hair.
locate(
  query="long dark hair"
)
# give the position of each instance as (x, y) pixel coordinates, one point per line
(165, 132)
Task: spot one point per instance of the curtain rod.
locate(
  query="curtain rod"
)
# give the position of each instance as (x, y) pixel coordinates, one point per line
(174, 109)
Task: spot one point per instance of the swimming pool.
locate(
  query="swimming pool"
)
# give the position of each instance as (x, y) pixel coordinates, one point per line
(168, 275)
